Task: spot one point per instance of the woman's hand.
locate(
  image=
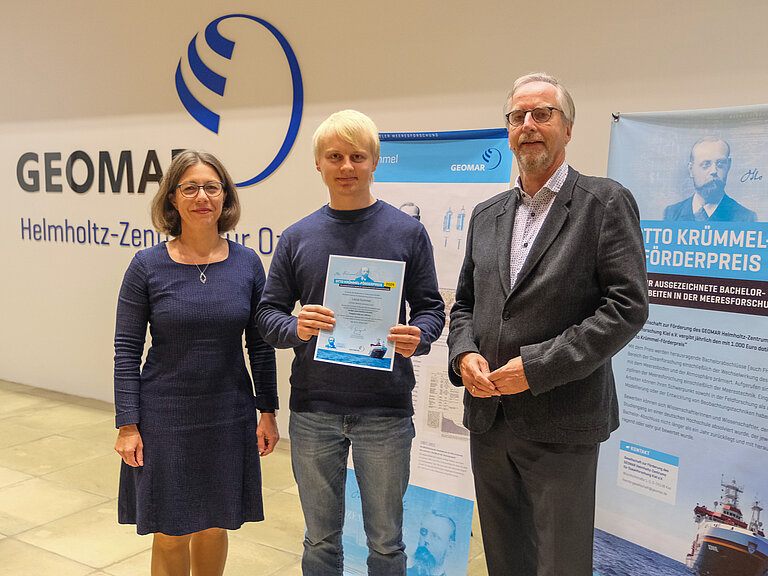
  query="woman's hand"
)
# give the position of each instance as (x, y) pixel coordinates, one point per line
(267, 433)
(129, 445)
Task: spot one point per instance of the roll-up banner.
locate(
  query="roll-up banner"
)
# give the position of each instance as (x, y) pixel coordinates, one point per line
(437, 177)
(682, 482)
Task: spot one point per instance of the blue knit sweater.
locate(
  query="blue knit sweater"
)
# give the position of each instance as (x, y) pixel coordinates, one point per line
(298, 272)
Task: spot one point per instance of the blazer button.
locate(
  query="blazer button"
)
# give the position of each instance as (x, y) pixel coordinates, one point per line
(506, 316)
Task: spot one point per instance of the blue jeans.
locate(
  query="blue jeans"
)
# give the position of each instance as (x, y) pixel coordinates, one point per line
(381, 452)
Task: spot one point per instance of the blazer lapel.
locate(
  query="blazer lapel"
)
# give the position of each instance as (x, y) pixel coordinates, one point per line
(504, 221)
(557, 216)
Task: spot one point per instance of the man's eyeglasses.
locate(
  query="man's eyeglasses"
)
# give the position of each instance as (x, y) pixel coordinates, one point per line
(190, 189)
(540, 115)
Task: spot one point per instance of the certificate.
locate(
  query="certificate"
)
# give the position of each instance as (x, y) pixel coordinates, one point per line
(365, 295)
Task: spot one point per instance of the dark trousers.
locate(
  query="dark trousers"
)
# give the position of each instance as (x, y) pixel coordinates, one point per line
(536, 502)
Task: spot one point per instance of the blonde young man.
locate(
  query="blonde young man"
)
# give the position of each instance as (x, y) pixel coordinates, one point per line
(334, 407)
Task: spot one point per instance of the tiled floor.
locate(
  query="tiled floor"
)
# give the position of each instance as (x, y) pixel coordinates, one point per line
(58, 485)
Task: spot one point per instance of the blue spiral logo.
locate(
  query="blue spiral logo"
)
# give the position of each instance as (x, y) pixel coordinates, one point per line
(216, 83)
(492, 156)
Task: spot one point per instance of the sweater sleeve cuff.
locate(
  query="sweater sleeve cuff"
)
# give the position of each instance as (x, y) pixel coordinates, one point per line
(291, 335)
(127, 418)
(264, 403)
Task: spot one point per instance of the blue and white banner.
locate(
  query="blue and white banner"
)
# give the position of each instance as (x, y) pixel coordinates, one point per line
(681, 482)
(437, 177)
(466, 156)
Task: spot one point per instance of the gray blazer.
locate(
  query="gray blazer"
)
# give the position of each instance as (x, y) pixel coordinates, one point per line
(581, 296)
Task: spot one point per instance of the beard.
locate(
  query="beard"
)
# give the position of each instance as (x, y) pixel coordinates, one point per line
(712, 191)
(533, 161)
(425, 558)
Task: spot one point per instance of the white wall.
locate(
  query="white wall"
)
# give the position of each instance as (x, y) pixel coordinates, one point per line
(97, 75)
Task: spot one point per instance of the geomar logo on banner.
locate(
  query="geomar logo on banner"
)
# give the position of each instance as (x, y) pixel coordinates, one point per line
(491, 159)
(205, 78)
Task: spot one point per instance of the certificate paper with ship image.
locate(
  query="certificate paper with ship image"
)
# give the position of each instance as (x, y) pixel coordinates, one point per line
(365, 295)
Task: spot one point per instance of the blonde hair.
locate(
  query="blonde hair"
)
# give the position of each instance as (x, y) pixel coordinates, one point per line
(351, 126)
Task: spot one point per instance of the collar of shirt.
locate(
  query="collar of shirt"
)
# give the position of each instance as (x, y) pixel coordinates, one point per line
(698, 204)
(554, 183)
(529, 218)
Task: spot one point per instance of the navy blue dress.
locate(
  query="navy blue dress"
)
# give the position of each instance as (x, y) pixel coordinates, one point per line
(192, 400)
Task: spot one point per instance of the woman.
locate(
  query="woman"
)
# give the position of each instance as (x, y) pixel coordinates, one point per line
(187, 420)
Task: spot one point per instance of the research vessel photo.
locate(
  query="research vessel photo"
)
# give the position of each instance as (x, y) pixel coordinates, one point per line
(725, 544)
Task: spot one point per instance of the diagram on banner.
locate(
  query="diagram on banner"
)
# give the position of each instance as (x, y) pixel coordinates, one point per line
(444, 405)
(440, 455)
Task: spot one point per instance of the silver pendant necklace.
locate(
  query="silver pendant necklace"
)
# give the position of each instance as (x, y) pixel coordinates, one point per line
(203, 277)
